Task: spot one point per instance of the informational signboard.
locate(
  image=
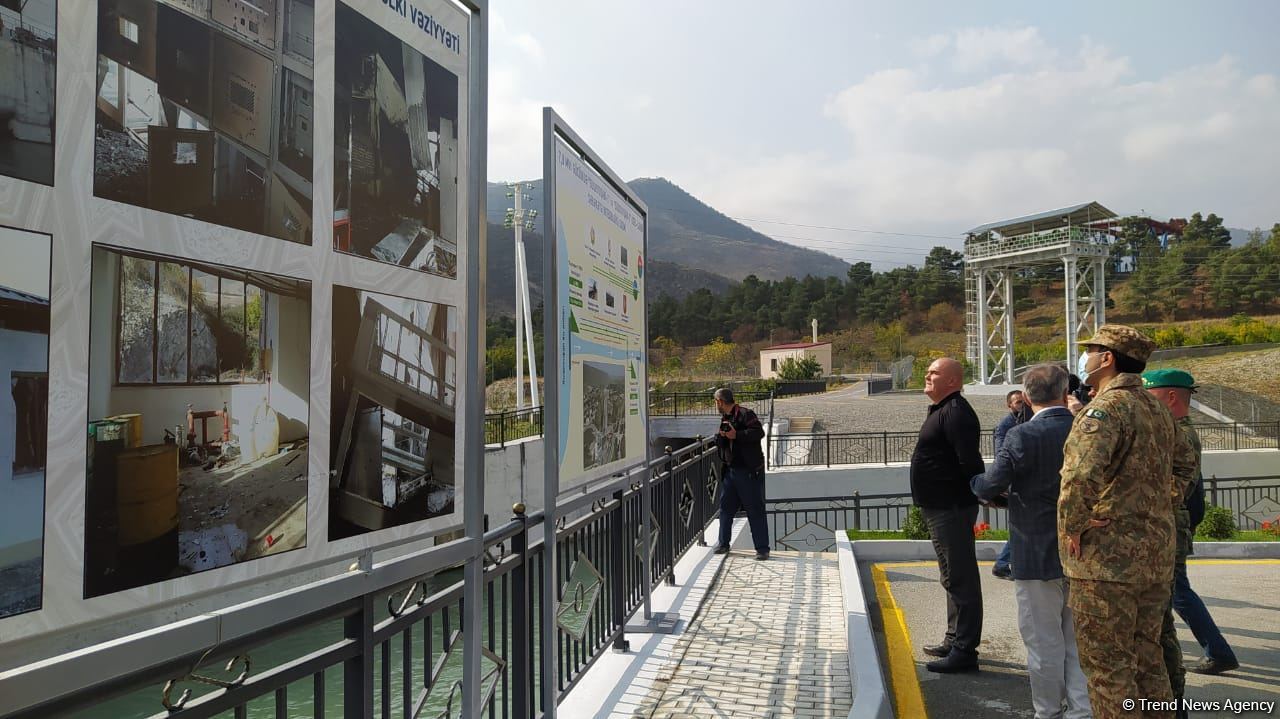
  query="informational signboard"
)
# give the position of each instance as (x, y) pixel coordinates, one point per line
(600, 320)
(228, 370)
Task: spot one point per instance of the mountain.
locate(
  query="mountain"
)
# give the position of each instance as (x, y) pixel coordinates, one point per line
(663, 277)
(691, 233)
(691, 245)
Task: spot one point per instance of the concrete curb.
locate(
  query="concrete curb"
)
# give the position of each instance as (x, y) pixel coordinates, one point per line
(870, 693)
(1236, 550)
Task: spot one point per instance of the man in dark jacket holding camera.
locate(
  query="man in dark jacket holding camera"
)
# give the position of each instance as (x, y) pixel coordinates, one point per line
(739, 442)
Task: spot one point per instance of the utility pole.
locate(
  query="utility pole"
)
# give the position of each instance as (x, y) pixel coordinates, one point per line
(519, 219)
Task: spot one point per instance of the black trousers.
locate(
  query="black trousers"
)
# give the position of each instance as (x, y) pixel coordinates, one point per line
(952, 533)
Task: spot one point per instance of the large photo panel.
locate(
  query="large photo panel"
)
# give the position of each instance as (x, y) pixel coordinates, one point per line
(396, 149)
(394, 429)
(199, 383)
(28, 70)
(600, 244)
(24, 413)
(205, 109)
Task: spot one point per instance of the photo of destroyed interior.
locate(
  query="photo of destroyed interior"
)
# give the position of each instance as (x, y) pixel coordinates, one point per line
(395, 156)
(24, 415)
(199, 379)
(604, 413)
(393, 411)
(205, 110)
(28, 66)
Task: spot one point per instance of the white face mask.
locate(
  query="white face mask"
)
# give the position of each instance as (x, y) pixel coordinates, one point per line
(1080, 367)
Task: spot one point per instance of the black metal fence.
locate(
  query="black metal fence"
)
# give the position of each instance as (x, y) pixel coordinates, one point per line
(701, 404)
(838, 448)
(807, 524)
(397, 651)
(508, 426)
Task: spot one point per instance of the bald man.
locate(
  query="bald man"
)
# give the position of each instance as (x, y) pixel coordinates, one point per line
(945, 458)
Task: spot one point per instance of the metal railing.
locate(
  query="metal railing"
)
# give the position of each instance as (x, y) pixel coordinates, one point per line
(840, 448)
(396, 649)
(807, 524)
(700, 404)
(508, 426)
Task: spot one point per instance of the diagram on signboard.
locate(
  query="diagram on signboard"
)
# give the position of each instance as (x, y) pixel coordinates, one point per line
(600, 241)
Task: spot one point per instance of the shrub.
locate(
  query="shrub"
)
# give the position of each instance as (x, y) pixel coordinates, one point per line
(913, 527)
(1218, 523)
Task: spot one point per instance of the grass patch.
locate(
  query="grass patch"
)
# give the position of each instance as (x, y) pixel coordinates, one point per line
(1246, 535)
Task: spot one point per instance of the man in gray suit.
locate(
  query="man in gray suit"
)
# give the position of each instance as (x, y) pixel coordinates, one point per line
(1027, 467)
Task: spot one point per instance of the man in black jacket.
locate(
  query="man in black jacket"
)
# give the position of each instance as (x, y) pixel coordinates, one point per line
(946, 456)
(739, 442)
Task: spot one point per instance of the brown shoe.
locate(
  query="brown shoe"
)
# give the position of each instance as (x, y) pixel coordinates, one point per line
(937, 650)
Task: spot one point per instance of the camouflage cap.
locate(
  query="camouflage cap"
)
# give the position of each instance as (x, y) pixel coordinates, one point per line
(1152, 379)
(1123, 339)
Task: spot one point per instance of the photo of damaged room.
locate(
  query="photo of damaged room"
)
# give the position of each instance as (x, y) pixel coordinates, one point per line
(393, 421)
(395, 156)
(28, 57)
(199, 378)
(204, 109)
(24, 415)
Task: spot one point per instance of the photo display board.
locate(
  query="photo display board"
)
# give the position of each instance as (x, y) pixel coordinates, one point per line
(601, 323)
(232, 306)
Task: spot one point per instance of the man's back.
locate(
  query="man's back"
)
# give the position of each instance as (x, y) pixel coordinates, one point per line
(1028, 465)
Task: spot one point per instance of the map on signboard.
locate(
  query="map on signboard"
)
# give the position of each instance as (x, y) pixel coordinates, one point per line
(578, 600)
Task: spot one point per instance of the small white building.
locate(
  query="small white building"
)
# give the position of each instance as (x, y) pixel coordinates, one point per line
(771, 357)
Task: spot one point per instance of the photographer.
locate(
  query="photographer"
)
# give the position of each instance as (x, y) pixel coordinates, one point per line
(739, 442)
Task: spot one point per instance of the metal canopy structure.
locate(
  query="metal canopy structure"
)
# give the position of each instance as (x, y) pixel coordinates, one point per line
(1074, 236)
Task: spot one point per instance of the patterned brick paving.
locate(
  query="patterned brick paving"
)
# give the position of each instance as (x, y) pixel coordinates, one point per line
(768, 642)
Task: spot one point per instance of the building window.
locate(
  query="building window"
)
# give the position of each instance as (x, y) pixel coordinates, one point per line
(773, 364)
(182, 325)
(31, 404)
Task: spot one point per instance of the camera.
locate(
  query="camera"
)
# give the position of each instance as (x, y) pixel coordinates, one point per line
(725, 426)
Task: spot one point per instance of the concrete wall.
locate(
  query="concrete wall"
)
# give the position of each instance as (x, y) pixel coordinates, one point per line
(513, 474)
(288, 334)
(21, 498)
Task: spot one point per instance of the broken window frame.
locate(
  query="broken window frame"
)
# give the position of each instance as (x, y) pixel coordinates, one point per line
(247, 375)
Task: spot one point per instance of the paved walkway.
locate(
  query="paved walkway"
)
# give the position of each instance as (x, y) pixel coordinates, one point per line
(768, 642)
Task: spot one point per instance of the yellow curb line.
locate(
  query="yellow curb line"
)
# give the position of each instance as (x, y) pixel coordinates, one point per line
(902, 666)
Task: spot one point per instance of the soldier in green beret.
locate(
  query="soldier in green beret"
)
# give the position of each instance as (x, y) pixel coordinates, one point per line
(1122, 463)
(1173, 388)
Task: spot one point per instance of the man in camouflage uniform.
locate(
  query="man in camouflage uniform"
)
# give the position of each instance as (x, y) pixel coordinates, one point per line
(1173, 388)
(1116, 525)
(1189, 444)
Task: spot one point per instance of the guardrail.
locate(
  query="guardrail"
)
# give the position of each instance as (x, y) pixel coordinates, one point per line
(700, 404)
(508, 426)
(386, 640)
(840, 448)
(806, 524)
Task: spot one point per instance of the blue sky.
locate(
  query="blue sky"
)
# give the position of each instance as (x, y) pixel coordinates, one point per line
(918, 118)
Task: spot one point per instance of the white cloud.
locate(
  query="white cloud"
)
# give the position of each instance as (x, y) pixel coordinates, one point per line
(938, 153)
(515, 115)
